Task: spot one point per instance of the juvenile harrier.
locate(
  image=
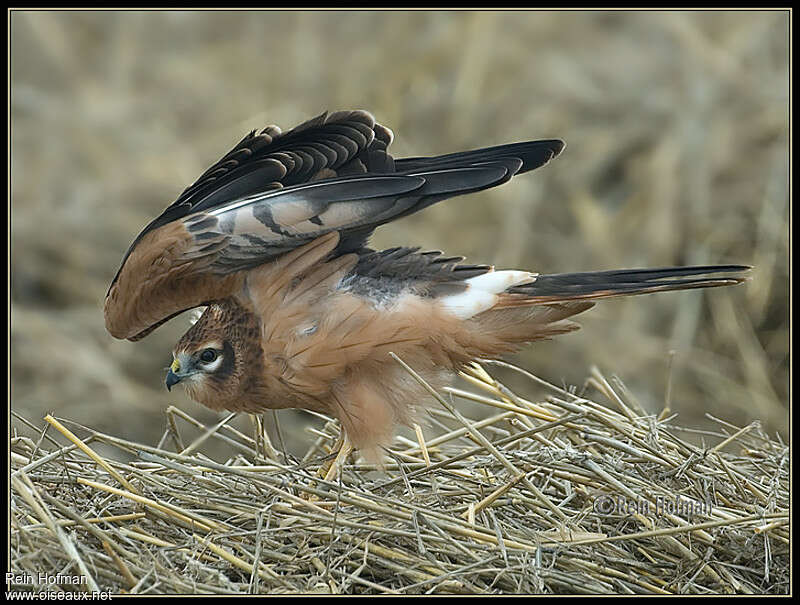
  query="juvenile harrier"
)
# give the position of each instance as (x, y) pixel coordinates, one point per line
(301, 314)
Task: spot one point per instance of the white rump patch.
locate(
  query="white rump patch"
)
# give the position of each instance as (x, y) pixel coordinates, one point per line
(482, 290)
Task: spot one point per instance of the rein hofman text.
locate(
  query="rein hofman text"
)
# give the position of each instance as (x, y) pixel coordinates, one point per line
(619, 505)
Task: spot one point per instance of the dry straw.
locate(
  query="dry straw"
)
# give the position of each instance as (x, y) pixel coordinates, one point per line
(571, 494)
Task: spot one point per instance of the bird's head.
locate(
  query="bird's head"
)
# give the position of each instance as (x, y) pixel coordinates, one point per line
(199, 362)
(209, 359)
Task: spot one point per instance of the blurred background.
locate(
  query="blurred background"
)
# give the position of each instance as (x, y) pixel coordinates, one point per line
(676, 126)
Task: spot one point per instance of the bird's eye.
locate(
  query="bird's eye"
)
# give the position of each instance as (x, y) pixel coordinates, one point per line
(208, 355)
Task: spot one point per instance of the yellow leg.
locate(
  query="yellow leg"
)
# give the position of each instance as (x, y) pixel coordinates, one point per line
(344, 452)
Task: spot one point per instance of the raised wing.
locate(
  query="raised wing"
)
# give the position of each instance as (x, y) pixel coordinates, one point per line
(341, 143)
(275, 192)
(263, 225)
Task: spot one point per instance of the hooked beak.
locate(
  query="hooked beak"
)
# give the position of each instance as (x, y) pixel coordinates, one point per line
(172, 377)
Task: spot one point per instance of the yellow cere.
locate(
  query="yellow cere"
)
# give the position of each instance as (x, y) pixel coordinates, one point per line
(176, 366)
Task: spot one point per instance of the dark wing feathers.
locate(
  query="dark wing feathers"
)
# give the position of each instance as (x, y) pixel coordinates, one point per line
(275, 191)
(268, 160)
(411, 264)
(289, 217)
(531, 154)
(388, 273)
(266, 224)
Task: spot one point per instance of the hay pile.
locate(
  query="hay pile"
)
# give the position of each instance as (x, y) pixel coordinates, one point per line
(575, 494)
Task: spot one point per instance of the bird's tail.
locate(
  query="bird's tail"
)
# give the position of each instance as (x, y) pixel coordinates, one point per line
(506, 309)
(561, 287)
(506, 289)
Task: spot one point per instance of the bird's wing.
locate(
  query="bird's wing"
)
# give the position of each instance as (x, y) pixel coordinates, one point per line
(168, 267)
(266, 224)
(388, 273)
(341, 143)
(276, 192)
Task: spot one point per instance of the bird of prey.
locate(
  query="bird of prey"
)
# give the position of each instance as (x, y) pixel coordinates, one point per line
(300, 313)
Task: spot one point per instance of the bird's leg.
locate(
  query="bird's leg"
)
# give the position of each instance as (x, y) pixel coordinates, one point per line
(345, 448)
(263, 443)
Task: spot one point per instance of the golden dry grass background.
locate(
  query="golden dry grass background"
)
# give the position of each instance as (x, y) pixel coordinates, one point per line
(676, 126)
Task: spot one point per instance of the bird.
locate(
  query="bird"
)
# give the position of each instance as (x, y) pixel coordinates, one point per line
(271, 245)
